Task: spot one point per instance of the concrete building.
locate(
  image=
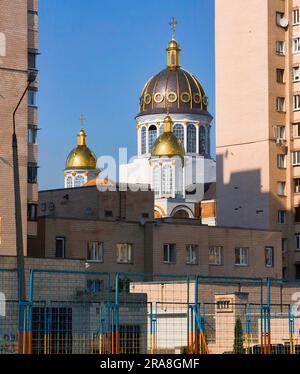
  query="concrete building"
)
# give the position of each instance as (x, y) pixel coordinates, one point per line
(257, 119)
(116, 231)
(18, 51)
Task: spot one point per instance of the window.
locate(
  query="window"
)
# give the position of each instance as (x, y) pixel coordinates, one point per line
(108, 213)
(191, 138)
(297, 239)
(296, 102)
(191, 254)
(124, 253)
(296, 45)
(2, 45)
(178, 130)
(95, 251)
(161, 129)
(242, 256)
(284, 272)
(32, 61)
(280, 104)
(297, 185)
(32, 173)
(297, 268)
(143, 140)
(156, 183)
(215, 255)
(167, 180)
(152, 135)
(280, 75)
(280, 47)
(296, 128)
(31, 98)
(296, 17)
(60, 247)
(281, 188)
(296, 73)
(297, 214)
(281, 217)
(269, 257)
(69, 182)
(280, 132)
(296, 158)
(32, 135)
(202, 141)
(281, 161)
(283, 245)
(94, 285)
(79, 181)
(32, 212)
(279, 17)
(169, 253)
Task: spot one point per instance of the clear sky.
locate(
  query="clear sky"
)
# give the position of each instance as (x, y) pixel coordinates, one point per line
(96, 56)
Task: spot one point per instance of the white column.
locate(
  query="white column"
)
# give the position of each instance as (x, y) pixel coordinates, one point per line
(147, 145)
(139, 143)
(183, 182)
(160, 179)
(197, 137)
(185, 135)
(173, 168)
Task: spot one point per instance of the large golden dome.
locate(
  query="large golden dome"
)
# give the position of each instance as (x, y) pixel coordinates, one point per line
(167, 144)
(81, 157)
(173, 90)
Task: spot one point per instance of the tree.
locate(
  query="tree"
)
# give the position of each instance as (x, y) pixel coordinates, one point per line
(238, 337)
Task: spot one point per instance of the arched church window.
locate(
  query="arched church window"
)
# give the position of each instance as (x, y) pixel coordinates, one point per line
(143, 140)
(79, 181)
(208, 142)
(152, 135)
(191, 138)
(161, 129)
(156, 184)
(202, 141)
(69, 182)
(167, 182)
(178, 130)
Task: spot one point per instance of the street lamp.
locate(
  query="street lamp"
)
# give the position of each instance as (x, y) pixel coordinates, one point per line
(18, 211)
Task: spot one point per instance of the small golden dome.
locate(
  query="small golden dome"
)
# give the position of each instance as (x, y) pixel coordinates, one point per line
(173, 55)
(81, 157)
(173, 44)
(167, 144)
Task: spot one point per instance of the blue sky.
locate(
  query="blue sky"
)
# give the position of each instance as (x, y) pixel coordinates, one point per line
(96, 56)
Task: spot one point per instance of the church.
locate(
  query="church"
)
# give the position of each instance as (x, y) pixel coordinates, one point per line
(173, 144)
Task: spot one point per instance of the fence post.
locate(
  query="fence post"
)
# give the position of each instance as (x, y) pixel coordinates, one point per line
(30, 311)
(117, 335)
(269, 314)
(188, 314)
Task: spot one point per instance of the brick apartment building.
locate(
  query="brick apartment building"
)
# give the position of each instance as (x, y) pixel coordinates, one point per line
(18, 51)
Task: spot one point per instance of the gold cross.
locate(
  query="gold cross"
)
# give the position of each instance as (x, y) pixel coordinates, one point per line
(173, 24)
(82, 119)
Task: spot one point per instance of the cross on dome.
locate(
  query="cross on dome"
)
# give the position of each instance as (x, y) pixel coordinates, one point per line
(173, 24)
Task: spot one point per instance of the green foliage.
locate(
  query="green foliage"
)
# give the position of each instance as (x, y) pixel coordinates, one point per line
(238, 337)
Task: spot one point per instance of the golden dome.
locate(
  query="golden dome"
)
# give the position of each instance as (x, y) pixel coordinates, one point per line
(81, 157)
(173, 55)
(167, 144)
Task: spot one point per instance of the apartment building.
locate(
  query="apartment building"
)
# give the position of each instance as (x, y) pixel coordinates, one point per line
(18, 53)
(258, 119)
(116, 231)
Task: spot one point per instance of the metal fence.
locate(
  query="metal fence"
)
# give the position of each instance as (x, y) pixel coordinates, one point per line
(109, 313)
